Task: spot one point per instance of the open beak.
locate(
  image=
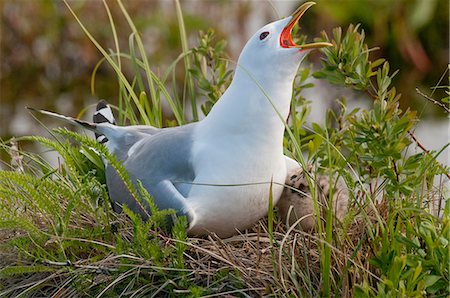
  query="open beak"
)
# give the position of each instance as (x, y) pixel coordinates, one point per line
(286, 35)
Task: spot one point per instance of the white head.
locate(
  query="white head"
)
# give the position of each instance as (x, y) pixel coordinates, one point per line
(271, 50)
(262, 84)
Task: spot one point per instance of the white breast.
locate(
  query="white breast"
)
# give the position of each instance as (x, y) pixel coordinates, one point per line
(232, 187)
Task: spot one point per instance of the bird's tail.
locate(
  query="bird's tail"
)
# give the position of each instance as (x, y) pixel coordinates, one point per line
(103, 114)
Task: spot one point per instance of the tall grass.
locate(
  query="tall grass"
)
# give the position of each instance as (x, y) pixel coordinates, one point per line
(60, 236)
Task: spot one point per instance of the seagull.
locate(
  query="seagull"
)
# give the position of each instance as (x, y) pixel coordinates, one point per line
(221, 171)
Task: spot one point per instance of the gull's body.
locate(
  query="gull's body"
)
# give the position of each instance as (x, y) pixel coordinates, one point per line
(219, 171)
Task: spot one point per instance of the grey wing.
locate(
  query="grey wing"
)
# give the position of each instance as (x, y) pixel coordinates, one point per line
(162, 163)
(122, 138)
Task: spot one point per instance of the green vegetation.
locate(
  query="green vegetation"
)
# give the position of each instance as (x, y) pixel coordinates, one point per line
(60, 236)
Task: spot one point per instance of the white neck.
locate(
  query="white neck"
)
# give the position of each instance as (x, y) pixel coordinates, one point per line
(253, 102)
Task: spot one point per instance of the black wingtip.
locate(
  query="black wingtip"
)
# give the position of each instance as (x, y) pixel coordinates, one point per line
(87, 125)
(103, 113)
(101, 104)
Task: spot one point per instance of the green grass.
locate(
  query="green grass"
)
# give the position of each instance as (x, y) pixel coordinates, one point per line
(60, 237)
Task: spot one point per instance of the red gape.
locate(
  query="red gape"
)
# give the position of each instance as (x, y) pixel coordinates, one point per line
(286, 37)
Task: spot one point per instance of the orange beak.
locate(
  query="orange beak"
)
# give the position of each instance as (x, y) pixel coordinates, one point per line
(286, 35)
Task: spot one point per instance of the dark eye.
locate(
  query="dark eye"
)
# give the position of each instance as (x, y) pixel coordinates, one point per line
(263, 35)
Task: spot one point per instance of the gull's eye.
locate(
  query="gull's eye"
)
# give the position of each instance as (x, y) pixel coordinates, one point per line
(263, 35)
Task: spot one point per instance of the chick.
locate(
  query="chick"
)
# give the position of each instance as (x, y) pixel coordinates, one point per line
(297, 203)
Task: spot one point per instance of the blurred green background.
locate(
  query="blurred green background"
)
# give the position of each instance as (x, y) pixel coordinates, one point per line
(47, 61)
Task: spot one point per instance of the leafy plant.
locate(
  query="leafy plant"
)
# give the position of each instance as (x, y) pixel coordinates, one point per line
(65, 221)
(210, 69)
(369, 149)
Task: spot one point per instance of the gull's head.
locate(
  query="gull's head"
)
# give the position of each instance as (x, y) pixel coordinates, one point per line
(271, 50)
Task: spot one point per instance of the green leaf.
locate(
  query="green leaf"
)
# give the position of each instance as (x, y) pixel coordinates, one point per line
(430, 280)
(93, 157)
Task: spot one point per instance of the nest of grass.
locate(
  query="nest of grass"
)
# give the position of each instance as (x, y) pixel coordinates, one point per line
(253, 263)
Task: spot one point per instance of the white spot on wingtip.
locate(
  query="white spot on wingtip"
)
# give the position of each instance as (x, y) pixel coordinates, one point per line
(100, 138)
(107, 113)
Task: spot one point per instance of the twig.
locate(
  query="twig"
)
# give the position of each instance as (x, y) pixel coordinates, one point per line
(396, 171)
(418, 143)
(440, 104)
(421, 146)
